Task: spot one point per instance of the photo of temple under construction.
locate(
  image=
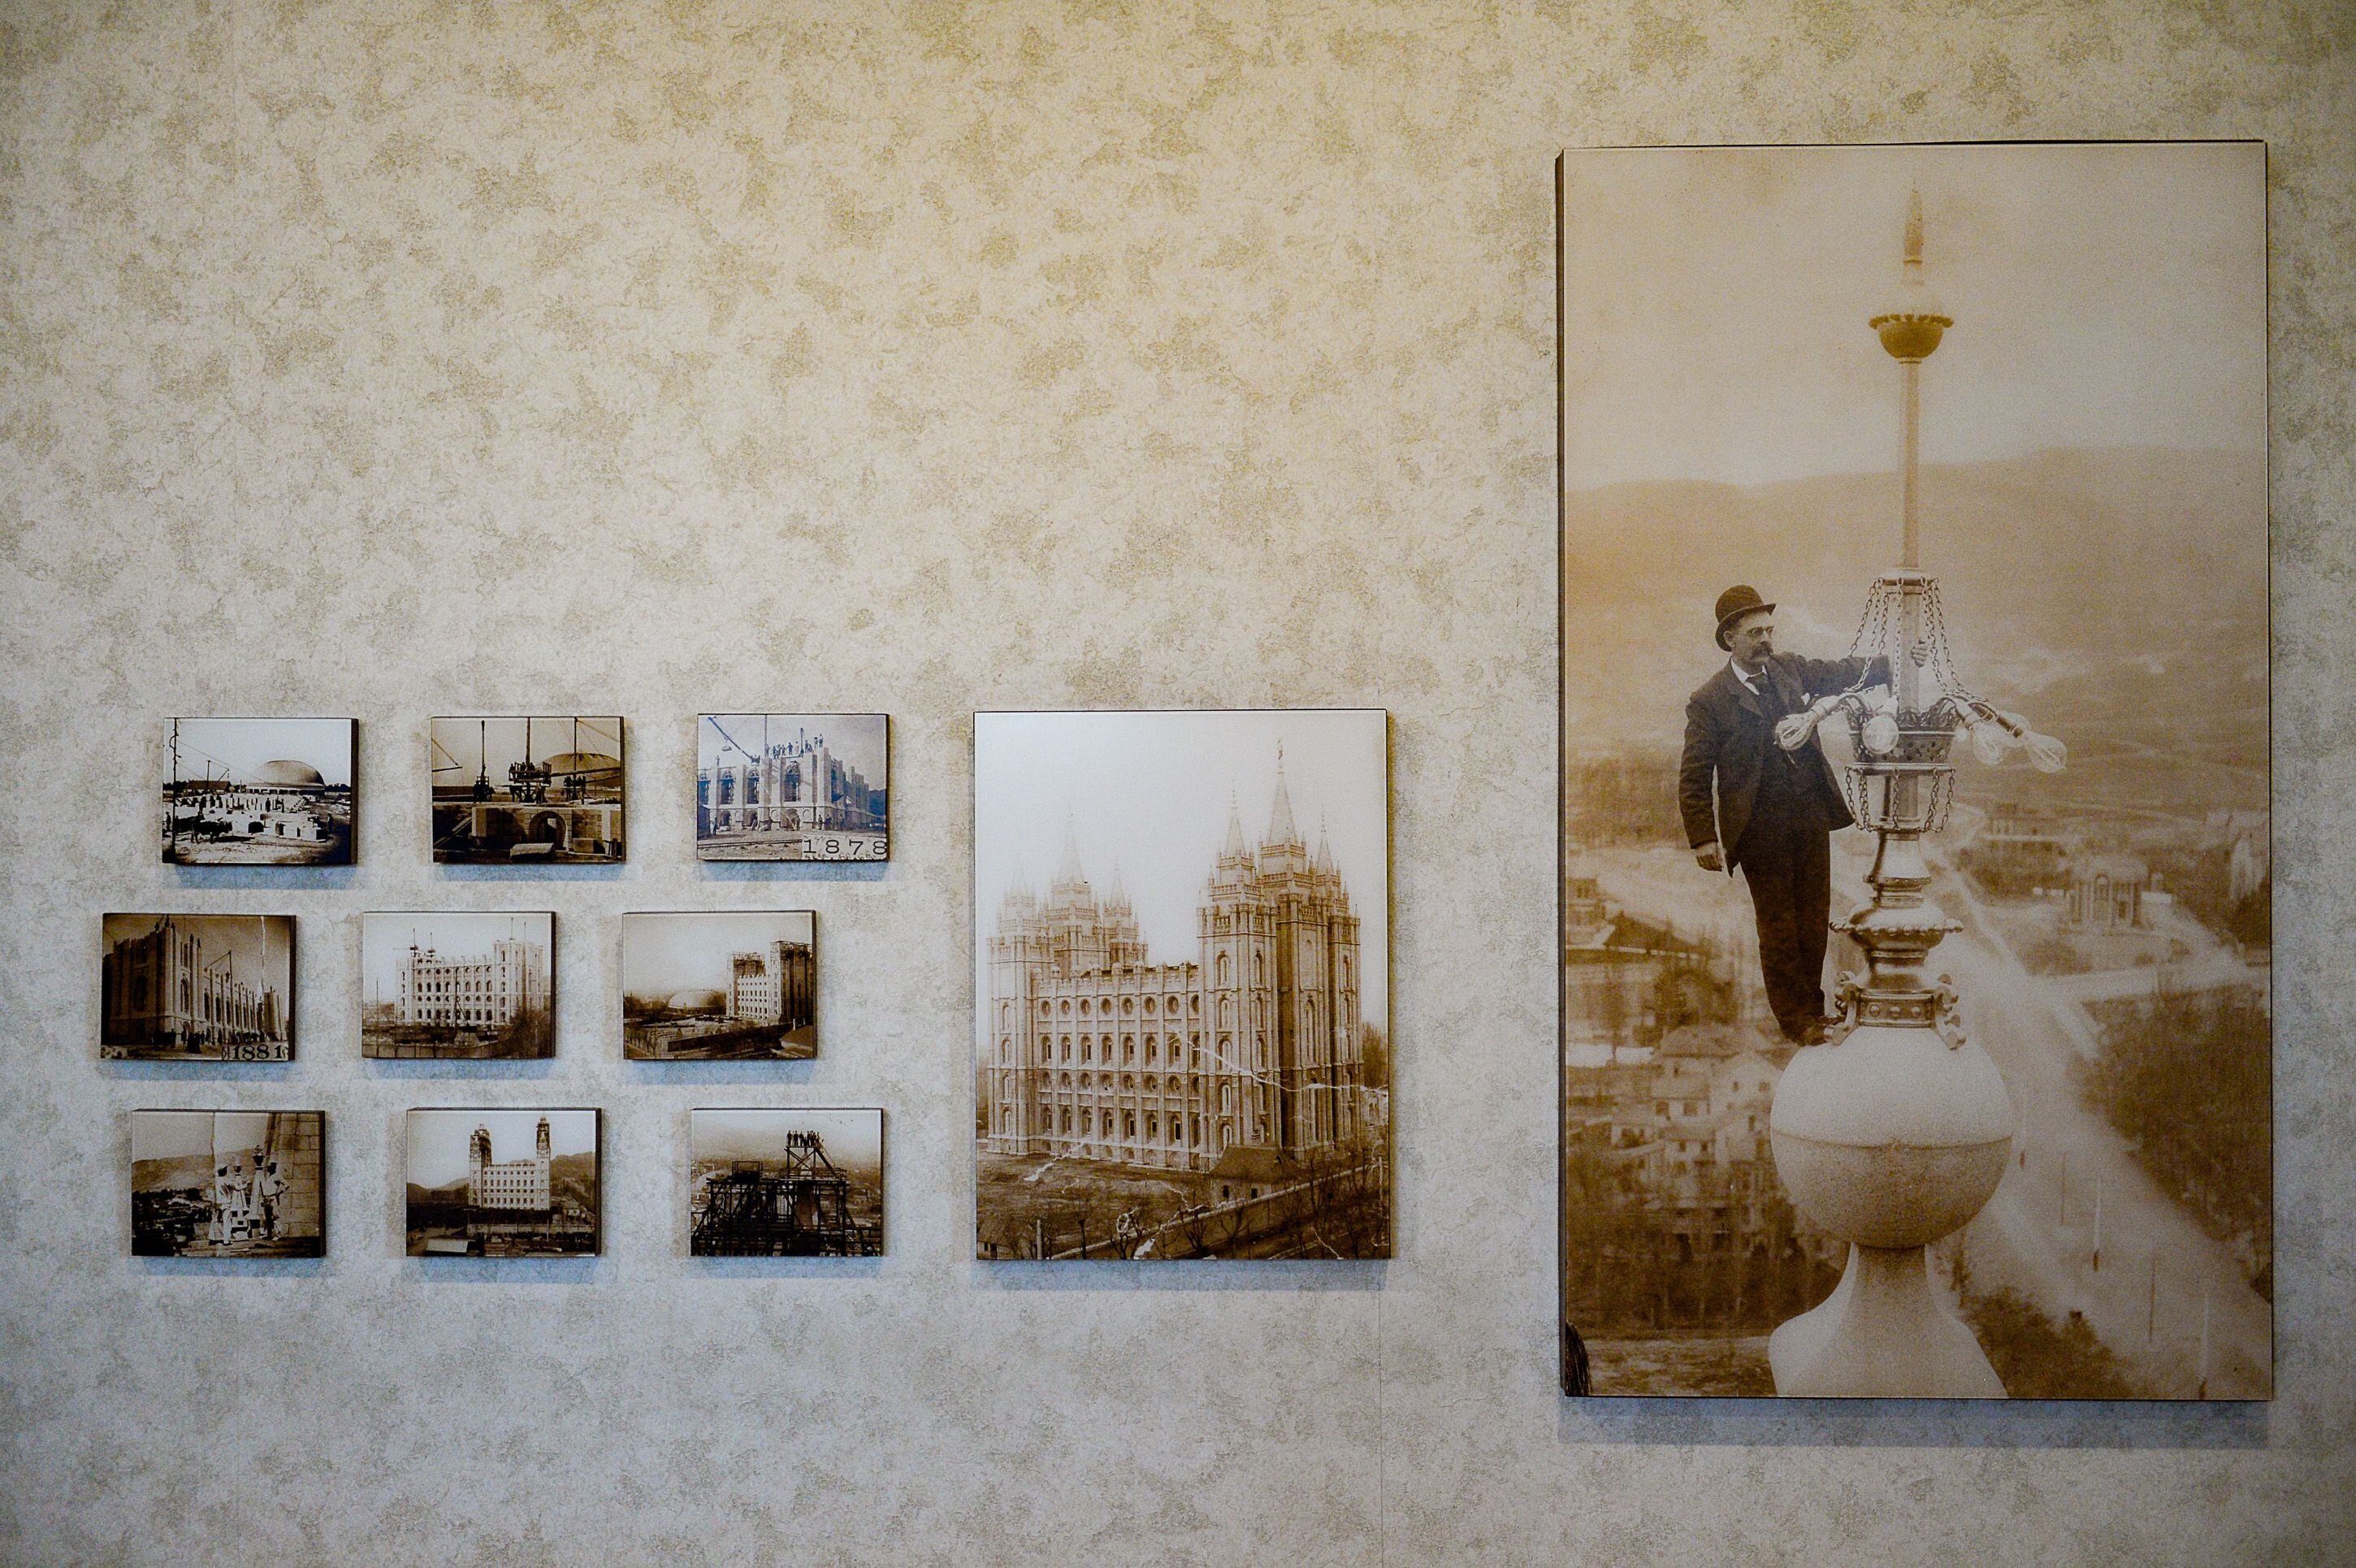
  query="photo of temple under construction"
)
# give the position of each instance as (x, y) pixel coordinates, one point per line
(1921, 578)
(709, 985)
(792, 787)
(258, 792)
(196, 987)
(501, 1184)
(799, 1183)
(464, 985)
(1182, 1044)
(530, 791)
(227, 1184)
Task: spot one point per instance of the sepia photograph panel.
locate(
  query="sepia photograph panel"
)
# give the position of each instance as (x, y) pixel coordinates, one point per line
(793, 787)
(258, 792)
(795, 1182)
(544, 790)
(711, 985)
(227, 1184)
(1916, 860)
(1181, 966)
(447, 984)
(196, 987)
(501, 1184)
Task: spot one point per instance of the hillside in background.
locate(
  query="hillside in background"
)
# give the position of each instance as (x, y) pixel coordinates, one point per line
(173, 1174)
(2115, 597)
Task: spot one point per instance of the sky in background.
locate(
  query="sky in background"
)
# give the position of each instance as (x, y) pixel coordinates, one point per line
(459, 742)
(1149, 793)
(385, 939)
(259, 948)
(176, 1135)
(665, 952)
(437, 1139)
(208, 747)
(853, 1139)
(858, 739)
(1716, 301)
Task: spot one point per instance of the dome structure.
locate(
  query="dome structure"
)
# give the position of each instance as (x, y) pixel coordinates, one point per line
(695, 1000)
(592, 763)
(286, 773)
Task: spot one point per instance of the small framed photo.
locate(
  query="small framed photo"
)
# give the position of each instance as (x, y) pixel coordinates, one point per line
(196, 987)
(457, 986)
(719, 986)
(502, 1184)
(258, 792)
(793, 787)
(785, 1182)
(542, 789)
(227, 1184)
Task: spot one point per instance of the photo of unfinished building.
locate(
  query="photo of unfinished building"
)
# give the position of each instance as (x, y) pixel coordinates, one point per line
(227, 1184)
(719, 985)
(196, 987)
(1916, 872)
(501, 1184)
(793, 787)
(801, 1182)
(545, 790)
(1182, 1043)
(457, 985)
(258, 791)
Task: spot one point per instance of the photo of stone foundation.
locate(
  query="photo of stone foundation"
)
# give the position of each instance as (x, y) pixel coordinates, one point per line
(258, 792)
(1182, 1047)
(1916, 873)
(545, 790)
(227, 1184)
(719, 985)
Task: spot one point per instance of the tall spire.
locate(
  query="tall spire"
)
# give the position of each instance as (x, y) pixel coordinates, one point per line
(1069, 874)
(1118, 896)
(1234, 848)
(1324, 859)
(1280, 830)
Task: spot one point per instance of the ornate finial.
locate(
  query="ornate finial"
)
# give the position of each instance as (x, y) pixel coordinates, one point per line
(1914, 227)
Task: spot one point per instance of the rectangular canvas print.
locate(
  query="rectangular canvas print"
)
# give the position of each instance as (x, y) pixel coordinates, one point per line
(227, 1184)
(502, 1184)
(451, 984)
(787, 1183)
(1916, 876)
(793, 787)
(258, 792)
(544, 790)
(1181, 972)
(713, 985)
(196, 987)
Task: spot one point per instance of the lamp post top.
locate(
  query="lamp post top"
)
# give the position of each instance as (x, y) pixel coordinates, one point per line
(1911, 333)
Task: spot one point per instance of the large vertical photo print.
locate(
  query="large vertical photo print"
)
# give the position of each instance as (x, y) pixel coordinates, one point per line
(1915, 773)
(1182, 973)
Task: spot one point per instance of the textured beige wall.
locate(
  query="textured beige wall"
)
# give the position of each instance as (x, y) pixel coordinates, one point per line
(392, 359)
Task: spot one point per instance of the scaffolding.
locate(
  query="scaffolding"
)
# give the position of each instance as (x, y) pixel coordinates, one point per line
(799, 1207)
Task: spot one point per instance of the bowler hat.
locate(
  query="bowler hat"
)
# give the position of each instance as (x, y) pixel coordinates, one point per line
(1733, 605)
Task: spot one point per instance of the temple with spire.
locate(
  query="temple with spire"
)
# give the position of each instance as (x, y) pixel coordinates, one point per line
(1248, 1055)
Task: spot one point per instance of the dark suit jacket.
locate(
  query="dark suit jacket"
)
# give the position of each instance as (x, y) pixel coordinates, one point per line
(1731, 737)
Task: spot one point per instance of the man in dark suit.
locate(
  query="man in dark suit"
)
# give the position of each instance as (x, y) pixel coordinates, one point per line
(1749, 802)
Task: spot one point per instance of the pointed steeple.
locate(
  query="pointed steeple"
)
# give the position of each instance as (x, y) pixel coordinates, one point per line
(1234, 848)
(1324, 859)
(1070, 875)
(1118, 898)
(1280, 830)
